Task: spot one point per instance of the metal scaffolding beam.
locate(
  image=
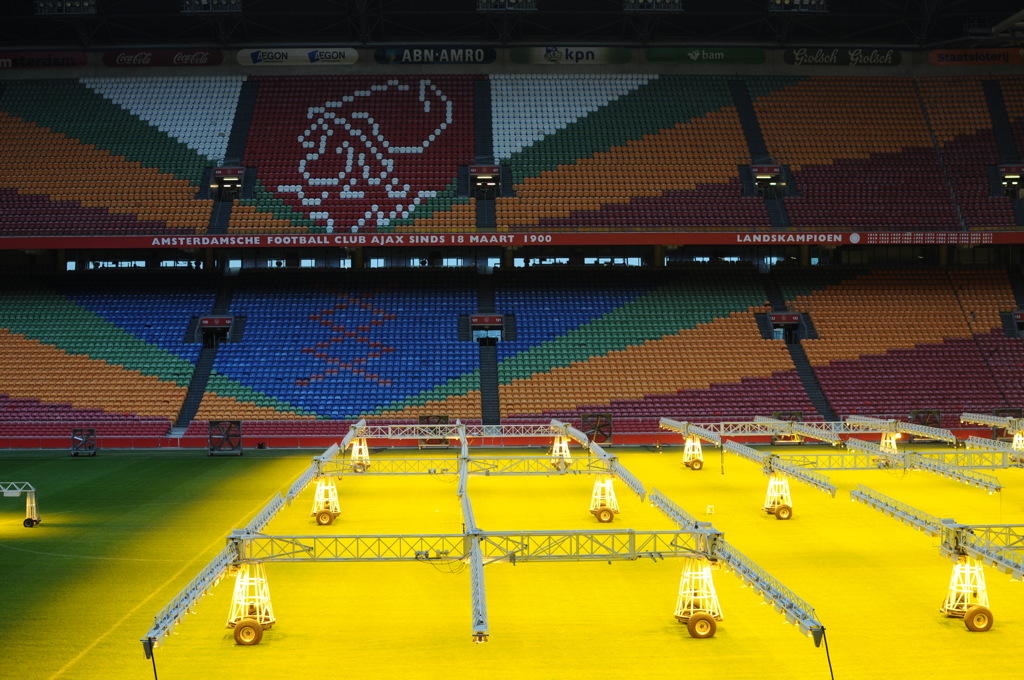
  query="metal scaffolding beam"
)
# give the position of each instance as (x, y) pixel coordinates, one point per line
(1009, 536)
(545, 546)
(17, 489)
(898, 510)
(567, 430)
(186, 599)
(711, 544)
(478, 593)
(988, 543)
(323, 461)
(1008, 454)
(956, 472)
(773, 464)
(937, 433)
(833, 460)
(867, 423)
(612, 462)
(912, 460)
(477, 466)
(1009, 424)
(820, 431)
(687, 429)
(881, 457)
(476, 547)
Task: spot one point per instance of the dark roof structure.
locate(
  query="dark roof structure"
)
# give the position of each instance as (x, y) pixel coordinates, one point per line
(906, 24)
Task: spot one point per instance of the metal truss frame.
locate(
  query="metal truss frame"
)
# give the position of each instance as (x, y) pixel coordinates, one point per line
(774, 464)
(934, 463)
(867, 424)
(474, 546)
(1000, 545)
(15, 490)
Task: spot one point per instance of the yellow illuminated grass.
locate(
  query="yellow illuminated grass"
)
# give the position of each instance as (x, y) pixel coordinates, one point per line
(875, 584)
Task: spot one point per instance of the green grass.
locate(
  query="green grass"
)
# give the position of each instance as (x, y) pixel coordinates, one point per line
(123, 532)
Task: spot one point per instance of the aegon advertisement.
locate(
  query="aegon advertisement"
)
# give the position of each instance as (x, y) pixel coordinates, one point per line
(307, 56)
(706, 55)
(452, 54)
(842, 56)
(567, 55)
(980, 57)
(19, 60)
(144, 58)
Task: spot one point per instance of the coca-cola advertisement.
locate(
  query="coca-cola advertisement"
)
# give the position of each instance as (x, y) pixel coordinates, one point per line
(162, 58)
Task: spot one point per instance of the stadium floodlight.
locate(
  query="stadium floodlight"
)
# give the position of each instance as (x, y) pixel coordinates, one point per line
(652, 5)
(820, 6)
(65, 7)
(506, 5)
(211, 6)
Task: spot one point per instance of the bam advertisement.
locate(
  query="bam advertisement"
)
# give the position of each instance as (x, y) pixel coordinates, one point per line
(706, 55)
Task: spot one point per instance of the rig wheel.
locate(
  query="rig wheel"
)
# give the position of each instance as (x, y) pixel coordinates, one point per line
(696, 464)
(324, 517)
(701, 625)
(29, 523)
(783, 512)
(604, 515)
(978, 619)
(248, 632)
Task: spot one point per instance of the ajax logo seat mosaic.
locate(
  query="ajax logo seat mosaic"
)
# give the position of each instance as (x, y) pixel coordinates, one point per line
(360, 151)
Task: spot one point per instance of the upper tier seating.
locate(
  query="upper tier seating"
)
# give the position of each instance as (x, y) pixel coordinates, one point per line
(860, 152)
(583, 152)
(960, 119)
(621, 152)
(111, 156)
(357, 153)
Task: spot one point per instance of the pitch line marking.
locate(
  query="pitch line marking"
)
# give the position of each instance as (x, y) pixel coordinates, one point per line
(136, 608)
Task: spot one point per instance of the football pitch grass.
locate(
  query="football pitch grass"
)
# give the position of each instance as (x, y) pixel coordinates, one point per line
(123, 532)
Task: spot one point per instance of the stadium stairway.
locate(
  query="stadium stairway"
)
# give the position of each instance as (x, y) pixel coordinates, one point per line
(220, 218)
(486, 215)
(773, 293)
(796, 351)
(810, 382)
(1008, 152)
(748, 120)
(207, 355)
(483, 142)
(1000, 121)
(1009, 324)
(1017, 284)
(196, 388)
(485, 294)
(243, 119)
(756, 145)
(490, 405)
